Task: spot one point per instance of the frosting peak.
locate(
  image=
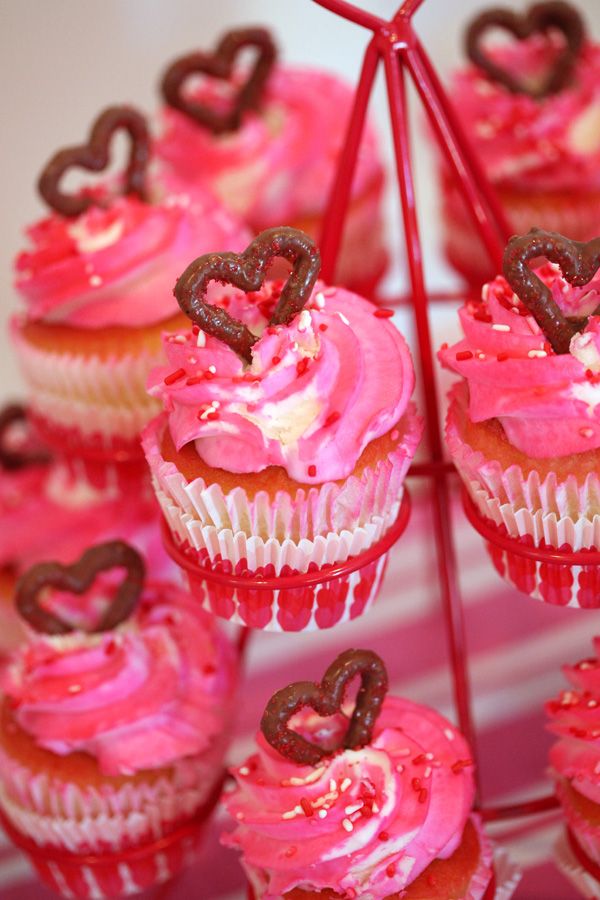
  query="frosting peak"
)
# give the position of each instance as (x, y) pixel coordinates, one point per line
(310, 400)
(368, 820)
(141, 697)
(547, 403)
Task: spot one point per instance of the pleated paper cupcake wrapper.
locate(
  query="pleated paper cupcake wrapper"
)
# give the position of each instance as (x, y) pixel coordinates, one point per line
(550, 513)
(114, 874)
(320, 510)
(582, 880)
(586, 834)
(87, 394)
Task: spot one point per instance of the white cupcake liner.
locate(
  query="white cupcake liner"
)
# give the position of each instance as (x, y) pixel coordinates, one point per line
(93, 395)
(549, 512)
(586, 834)
(508, 875)
(582, 880)
(316, 511)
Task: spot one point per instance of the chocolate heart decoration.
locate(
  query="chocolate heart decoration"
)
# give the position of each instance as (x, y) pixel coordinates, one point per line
(220, 65)
(540, 18)
(247, 271)
(77, 579)
(326, 699)
(578, 261)
(95, 156)
(13, 458)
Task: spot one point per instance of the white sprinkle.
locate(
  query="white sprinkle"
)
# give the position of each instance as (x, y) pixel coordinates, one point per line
(449, 734)
(290, 814)
(295, 346)
(239, 815)
(485, 291)
(480, 355)
(192, 360)
(405, 751)
(586, 432)
(305, 321)
(345, 784)
(244, 770)
(95, 281)
(354, 807)
(375, 808)
(347, 824)
(332, 784)
(212, 370)
(74, 688)
(592, 704)
(216, 404)
(536, 354)
(400, 768)
(329, 292)
(343, 318)
(322, 814)
(295, 781)
(427, 772)
(179, 339)
(319, 300)
(497, 326)
(201, 339)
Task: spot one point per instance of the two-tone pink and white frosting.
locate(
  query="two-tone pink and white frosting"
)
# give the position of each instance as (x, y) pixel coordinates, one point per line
(278, 166)
(548, 403)
(527, 143)
(363, 822)
(115, 265)
(155, 690)
(575, 719)
(311, 400)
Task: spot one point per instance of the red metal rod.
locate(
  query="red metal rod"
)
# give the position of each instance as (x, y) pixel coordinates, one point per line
(353, 13)
(470, 178)
(516, 810)
(430, 469)
(339, 198)
(444, 546)
(408, 9)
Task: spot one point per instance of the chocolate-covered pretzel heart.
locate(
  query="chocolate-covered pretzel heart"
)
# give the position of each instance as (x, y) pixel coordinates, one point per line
(326, 699)
(540, 18)
(220, 64)
(77, 579)
(13, 458)
(247, 271)
(578, 261)
(95, 156)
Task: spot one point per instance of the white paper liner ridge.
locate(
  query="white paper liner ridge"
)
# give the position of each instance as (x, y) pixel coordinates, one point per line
(582, 880)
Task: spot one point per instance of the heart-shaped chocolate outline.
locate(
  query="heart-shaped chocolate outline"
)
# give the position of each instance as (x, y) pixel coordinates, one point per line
(247, 271)
(13, 459)
(94, 155)
(326, 698)
(219, 64)
(77, 578)
(541, 17)
(578, 262)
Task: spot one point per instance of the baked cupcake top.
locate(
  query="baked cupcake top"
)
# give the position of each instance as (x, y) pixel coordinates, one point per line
(146, 686)
(308, 393)
(548, 402)
(527, 141)
(104, 258)
(276, 162)
(358, 810)
(575, 720)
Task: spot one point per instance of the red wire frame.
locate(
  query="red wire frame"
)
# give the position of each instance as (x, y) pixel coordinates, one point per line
(396, 44)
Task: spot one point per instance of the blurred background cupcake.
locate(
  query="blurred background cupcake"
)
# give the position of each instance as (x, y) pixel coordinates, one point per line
(531, 109)
(265, 137)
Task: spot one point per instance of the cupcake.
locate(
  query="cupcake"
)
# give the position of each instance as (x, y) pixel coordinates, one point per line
(96, 282)
(111, 738)
(374, 802)
(575, 763)
(278, 446)
(531, 109)
(266, 140)
(523, 426)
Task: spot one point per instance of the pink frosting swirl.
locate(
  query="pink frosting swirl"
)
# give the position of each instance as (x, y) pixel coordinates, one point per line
(116, 264)
(310, 401)
(548, 404)
(368, 820)
(278, 166)
(548, 144)
(154, 690)
(575, 717)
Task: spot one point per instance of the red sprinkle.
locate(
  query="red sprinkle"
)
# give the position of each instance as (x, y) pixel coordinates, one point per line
(312, 471)
(502, 357)
(110, 648)
(196, 330)
(323, 327)
(332, 418)
(383, 836)
(431, 880)
(464, 354)
(391, 870)
(418, 760)
(302, 365)
(272, 329)
(416, 784)
(306, 806)
(383, 313)
(444, 346)
(423, 794)
(209, 375)
(266, 308)
(175, 376)
(195, 379)
(291, 851)
(461, 764)
(276, 360)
